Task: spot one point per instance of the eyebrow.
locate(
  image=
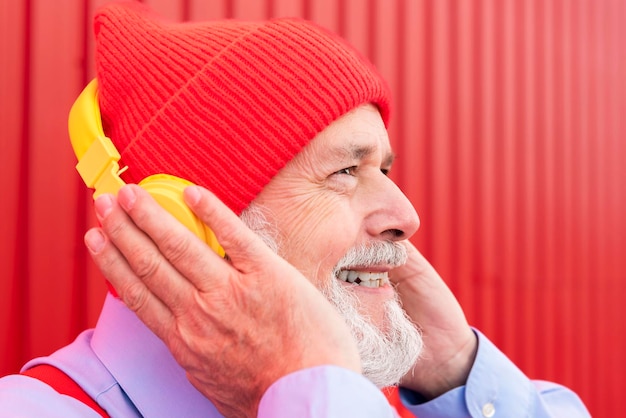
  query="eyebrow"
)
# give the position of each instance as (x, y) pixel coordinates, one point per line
(360, 152)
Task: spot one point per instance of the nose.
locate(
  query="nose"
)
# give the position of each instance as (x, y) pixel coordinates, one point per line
(391, 215)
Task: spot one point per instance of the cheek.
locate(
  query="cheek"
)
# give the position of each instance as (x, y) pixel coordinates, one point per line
(316, 233)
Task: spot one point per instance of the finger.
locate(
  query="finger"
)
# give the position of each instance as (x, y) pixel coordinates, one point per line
(416, 267)
(129, 287)
(244, 248)
(197, 264)
(142, 256)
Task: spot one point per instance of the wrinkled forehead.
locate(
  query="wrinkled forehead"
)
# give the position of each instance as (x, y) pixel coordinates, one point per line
(355, 136)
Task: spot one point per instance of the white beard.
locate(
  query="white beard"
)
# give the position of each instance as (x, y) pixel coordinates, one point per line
(386, 355)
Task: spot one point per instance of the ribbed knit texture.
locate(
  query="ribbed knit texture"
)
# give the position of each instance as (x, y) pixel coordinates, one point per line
(224, 104)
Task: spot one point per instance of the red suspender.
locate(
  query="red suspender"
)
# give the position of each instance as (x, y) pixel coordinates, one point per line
(63, 384)
(393, 396)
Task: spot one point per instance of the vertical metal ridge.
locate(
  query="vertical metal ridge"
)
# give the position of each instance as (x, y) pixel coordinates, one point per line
(21, 315)
(79, 299)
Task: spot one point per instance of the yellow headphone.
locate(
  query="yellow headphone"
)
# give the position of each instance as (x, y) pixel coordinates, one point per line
(99, 168)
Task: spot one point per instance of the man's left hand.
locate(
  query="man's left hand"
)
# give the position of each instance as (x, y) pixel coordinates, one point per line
(449, 342)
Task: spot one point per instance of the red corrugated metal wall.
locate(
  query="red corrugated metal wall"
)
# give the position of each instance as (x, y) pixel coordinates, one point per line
(509, 121)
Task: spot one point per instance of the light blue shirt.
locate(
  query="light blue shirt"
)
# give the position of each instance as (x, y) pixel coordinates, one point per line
(131, 373)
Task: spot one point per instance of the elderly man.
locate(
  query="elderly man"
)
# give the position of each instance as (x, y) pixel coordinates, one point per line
(312, 300)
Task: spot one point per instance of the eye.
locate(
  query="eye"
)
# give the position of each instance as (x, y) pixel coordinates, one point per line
(385, 171)
(350, 171)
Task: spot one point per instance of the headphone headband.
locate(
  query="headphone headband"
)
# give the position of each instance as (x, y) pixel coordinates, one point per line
(97, 156)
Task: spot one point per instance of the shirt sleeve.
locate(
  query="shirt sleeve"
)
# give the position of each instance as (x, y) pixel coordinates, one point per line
(497, 388)
(324, 392)
(23, 396)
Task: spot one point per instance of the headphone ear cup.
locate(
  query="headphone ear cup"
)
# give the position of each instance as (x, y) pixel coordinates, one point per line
(167, 190)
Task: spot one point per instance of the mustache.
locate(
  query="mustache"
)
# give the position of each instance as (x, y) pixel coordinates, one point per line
(389, 253)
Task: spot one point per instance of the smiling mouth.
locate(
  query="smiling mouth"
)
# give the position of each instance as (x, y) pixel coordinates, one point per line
(364, 278)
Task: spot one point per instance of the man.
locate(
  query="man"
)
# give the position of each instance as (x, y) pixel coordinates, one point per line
(314, 304)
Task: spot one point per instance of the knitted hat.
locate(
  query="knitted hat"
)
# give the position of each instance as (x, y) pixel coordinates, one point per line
(223, 104)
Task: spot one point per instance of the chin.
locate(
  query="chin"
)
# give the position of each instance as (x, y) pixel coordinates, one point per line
(388, 342)
(372, 303)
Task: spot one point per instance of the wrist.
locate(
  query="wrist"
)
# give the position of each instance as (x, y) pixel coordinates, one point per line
(434, 381)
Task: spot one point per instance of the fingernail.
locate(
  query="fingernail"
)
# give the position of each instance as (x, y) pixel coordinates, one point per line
(103, 205)
(192, 195)
(94, 239)
(126, 197)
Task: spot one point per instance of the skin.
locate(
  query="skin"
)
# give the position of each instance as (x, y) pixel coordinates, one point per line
(332, 196)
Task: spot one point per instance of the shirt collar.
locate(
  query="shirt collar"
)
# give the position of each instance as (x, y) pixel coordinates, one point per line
(144, 367)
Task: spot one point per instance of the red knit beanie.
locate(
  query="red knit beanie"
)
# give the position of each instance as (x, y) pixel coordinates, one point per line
(223, 104)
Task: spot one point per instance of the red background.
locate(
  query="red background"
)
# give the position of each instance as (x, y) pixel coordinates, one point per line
(510, 125)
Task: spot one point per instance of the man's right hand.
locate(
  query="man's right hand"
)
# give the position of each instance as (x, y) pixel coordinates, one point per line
(237, 325)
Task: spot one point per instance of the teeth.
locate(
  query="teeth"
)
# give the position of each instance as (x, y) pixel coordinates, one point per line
(364, 278)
